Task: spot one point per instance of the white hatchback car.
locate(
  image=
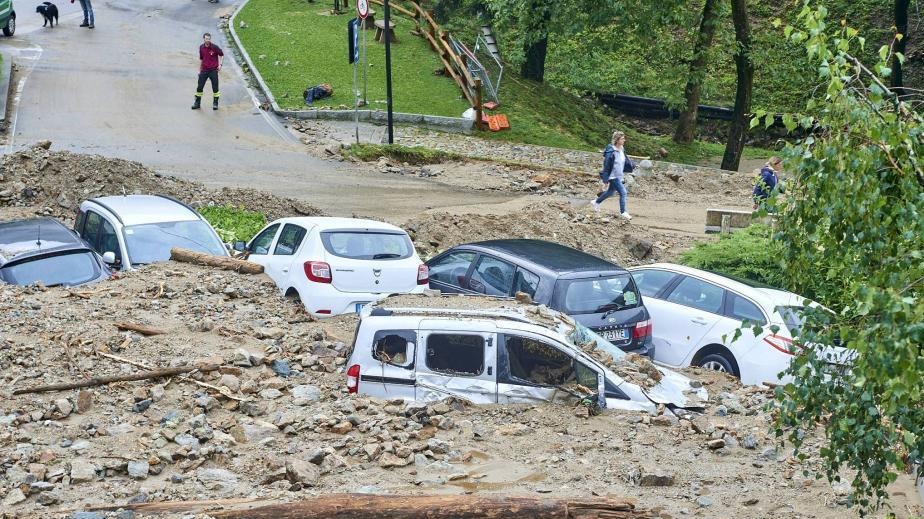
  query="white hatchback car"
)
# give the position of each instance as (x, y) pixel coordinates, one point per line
(695, 313)
(141, 229)
(337, 265)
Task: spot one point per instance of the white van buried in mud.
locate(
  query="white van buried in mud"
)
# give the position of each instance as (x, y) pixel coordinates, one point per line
(497, 351)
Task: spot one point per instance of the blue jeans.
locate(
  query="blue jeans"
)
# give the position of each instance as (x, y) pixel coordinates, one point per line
(87, 11)
(616, 186)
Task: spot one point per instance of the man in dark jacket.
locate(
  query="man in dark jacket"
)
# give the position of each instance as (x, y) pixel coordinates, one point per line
(767, 182)
(210, 58)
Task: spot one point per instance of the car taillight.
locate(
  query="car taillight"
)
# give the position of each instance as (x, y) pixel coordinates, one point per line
(318, 271)
(423, 274)
(353, 378)
(781, 344)
(642, 329)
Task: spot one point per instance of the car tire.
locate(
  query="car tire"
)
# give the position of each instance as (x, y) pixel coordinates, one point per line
(293, 296)
(10, 28)
(717, 362)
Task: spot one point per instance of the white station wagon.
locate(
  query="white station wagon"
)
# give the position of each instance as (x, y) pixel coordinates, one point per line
(337, 265)
(500, 354)
(695, 314)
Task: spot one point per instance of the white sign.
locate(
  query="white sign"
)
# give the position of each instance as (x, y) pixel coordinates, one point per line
(362, 8)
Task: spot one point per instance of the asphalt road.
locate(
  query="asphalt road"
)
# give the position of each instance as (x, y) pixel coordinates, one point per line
(124, 89)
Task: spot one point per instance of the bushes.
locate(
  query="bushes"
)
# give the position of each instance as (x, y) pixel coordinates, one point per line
(416, 155)
(750, 254)
(233, 224)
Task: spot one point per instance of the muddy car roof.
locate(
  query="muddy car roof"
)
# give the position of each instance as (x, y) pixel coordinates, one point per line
(551, 256)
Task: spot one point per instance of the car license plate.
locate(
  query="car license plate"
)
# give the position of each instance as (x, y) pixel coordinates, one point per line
(359, 306)
(615, 335)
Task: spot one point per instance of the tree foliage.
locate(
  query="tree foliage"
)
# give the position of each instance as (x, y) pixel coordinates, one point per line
(851, 229)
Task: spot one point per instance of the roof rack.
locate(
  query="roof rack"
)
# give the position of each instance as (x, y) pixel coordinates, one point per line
(498, 314)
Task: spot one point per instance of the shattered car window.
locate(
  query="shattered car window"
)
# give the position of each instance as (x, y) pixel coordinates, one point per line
(538, 363)
(394, 347)
(583, 335)
(455, 354)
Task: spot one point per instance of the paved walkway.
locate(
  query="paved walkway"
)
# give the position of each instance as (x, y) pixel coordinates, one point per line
(124, 90)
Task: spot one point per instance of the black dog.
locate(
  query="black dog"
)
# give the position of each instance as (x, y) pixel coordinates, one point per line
(49, 11)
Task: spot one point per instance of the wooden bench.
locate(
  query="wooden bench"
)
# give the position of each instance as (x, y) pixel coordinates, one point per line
(380, 32)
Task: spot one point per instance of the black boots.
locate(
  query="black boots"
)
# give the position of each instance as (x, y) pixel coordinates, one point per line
(215, 103)
(197, 103)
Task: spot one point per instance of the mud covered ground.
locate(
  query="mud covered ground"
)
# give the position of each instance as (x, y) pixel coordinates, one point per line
(274, 421)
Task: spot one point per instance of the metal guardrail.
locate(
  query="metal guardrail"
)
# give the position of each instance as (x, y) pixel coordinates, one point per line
(649, 108)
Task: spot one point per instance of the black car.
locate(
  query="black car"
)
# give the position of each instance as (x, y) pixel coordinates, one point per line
(598, 294)
(44, 250)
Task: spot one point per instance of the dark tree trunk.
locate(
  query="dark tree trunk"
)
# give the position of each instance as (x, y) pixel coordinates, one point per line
(901, 27)
(686, 126)
(534, 64)
(540, 16)
(745, 72)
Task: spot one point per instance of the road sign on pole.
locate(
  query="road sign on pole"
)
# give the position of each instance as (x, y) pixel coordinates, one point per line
(388, 100)
(362, 8)
(353, 40)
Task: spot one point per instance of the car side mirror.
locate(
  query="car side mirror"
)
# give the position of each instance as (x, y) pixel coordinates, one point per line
(109, 258)
(239, 246)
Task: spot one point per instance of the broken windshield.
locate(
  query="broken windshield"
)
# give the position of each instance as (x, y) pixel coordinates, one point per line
(583, 335)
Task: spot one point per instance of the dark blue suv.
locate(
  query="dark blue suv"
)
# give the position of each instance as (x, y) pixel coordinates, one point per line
(596, 293)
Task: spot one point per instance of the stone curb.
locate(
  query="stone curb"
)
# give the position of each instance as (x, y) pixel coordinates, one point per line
(5, 75)
(452, 124)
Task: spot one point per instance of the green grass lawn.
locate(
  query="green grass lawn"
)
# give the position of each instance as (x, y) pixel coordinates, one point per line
(310, 46)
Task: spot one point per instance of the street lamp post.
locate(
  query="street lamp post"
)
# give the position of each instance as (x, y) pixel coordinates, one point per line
(388, 33)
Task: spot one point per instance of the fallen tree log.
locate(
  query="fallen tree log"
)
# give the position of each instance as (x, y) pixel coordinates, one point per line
(102, 381)
(369, 506)
(222, 262)
(365, 506)
(140, 328)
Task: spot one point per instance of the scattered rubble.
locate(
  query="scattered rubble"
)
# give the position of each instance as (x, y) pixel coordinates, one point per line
(38, 182)
(242, 429)
(599, 234)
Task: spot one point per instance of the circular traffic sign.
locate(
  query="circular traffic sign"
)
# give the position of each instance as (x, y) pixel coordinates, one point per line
(362, 8)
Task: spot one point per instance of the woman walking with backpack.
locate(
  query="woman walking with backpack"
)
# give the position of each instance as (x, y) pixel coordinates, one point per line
(615, 164)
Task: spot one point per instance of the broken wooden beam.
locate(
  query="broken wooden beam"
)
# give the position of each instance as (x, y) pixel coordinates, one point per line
(139, 328)
(222, 262)
(370, 506)
(102, 381)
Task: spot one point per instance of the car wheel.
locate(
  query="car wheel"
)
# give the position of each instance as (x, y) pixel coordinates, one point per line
(293, 296)
(717, 362)
(10, 26)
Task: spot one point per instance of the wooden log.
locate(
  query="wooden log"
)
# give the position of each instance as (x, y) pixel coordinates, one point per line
(479, 107)
(368, 506)
(394, 6)
(449, 68)
(102, 381)
(140, 328)
(222, 262)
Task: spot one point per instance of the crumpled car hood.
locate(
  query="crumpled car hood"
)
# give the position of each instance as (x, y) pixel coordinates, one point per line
(675, 389)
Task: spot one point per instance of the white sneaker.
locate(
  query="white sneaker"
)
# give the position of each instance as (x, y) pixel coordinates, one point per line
(595, 206)
(627, 216)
